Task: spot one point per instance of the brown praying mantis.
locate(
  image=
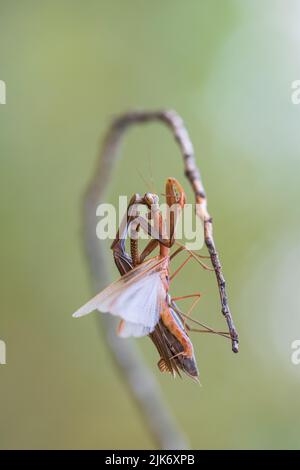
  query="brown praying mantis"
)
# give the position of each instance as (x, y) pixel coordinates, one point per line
(141, 296)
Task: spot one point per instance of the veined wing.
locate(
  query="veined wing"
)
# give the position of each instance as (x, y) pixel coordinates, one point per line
(136, 297)
(136, 330)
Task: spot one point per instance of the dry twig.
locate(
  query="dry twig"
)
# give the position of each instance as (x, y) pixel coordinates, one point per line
(138, 378)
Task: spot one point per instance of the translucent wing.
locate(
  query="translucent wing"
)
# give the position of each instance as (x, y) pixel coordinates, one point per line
(136, 298)
(134, 329)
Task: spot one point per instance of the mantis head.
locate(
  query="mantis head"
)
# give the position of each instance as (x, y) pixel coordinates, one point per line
(175, 193)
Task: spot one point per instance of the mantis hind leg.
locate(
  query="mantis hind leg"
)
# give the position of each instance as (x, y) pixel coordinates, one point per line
(196, 298)
(187, 317)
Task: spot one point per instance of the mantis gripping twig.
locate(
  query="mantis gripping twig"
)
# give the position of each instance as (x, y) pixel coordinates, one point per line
(133, 370)
(174, 122)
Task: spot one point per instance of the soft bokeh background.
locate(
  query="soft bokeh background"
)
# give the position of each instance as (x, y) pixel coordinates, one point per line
(226, 67)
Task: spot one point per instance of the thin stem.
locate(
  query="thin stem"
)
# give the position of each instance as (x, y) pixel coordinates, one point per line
(136, 375)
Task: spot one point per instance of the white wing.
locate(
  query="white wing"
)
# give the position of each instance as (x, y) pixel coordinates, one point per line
(133, 329)
(136, 297)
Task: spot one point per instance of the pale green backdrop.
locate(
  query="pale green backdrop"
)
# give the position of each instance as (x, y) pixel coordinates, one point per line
(227, 68)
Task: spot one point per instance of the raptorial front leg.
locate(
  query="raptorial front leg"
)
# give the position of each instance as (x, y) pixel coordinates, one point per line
(138, 258)
(127, 219)
(123, 260)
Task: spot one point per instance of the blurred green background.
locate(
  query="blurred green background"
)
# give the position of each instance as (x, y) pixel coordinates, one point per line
(226, 67)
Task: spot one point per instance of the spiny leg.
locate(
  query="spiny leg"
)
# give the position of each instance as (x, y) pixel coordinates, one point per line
(162, 239)
(196, 297)
(187, 316)
(179, 268)
(126, 220)
(207, 329)
(193, 254)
